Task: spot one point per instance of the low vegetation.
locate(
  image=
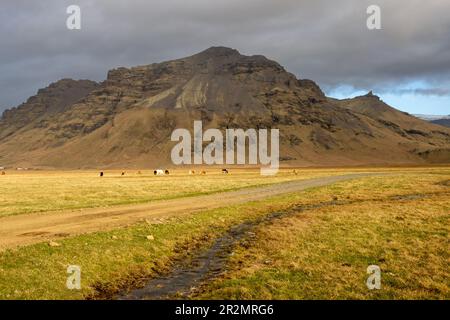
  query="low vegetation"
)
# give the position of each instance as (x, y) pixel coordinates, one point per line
(319, 249)
(26, 192)
(400, 224)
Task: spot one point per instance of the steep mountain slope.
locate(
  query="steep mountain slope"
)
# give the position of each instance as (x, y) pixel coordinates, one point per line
(399, 122)
(127, 120)
(54, 99)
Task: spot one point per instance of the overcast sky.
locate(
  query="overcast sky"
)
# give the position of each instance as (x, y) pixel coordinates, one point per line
(407, 62)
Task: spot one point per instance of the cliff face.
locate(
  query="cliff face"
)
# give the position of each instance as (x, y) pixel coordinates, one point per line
(127, 119)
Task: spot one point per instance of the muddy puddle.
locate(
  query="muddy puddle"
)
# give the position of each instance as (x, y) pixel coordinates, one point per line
(185, 279)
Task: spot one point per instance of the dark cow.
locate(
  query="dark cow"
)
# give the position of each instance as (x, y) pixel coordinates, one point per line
(225, 171)
(101, 173)
(166, 172)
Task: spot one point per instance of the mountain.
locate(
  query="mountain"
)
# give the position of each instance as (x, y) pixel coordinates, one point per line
(127, 120)
(53, 100)
(441, 120)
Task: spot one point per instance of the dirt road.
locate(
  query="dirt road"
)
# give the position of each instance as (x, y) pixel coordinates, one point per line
(27, 229)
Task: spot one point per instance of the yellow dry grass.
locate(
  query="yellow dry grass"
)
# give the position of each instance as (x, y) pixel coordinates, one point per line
(401, 224)
(41, 191)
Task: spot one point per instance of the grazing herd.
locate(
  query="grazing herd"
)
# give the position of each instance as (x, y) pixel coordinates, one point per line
(157, 172)
(191, 172)
(165, 172)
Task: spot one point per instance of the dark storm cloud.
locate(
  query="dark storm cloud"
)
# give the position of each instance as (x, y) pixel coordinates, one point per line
(327, 41)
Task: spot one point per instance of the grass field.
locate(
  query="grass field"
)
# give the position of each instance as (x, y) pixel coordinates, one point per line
(26, 192)
(320, 249)
(401, 224)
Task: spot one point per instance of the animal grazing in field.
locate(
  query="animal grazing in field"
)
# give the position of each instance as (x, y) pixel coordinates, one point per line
(191, 171)
(166, 172)
(203, 172)
(123, 173)
(295, 172)
(225, 171)
(158, 172)
(101, 173)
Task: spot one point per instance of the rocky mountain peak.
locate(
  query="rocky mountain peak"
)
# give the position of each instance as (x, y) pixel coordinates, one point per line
(371, 95)
(128, 118)
(219, 52)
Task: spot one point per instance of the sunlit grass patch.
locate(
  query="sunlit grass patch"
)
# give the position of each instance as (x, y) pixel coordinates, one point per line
(323, 253)
(398, 222)
(27, 192)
